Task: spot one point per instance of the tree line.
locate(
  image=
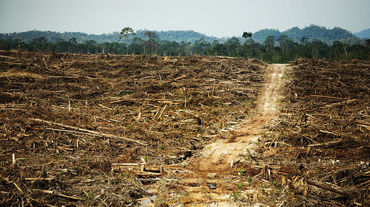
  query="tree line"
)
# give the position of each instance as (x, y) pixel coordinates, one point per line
(273, 50)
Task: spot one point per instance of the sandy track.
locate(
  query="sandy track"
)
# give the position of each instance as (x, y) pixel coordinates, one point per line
(219, 154)
(217, 157)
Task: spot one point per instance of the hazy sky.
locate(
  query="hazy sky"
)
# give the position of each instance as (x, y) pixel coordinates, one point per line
(212, 17)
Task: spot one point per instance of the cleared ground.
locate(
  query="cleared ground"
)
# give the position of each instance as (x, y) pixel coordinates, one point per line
(182, 131)
(68, 118)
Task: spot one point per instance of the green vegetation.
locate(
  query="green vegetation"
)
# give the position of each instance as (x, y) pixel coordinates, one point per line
(250, 179)
(241, 171)
(312, 32)
(177, 36)
(311, 42)
(236, 195)
(125, 34)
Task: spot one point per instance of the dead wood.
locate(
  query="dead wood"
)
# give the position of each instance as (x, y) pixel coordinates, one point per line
(331, 143)
(90, 132)
(340, 103)
(57, 194)
(28, 198)
(330, 187)
(327, 144)
(117, 98)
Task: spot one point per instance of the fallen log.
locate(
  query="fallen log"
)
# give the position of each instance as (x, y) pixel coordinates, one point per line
(325, 144)
(57, 194)
(90, 132)
(340, 103)
(329, 187)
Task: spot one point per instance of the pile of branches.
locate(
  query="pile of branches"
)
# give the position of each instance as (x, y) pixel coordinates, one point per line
(324, 134)
(65, 118)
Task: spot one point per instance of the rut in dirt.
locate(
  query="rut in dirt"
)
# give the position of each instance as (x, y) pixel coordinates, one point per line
(208, 176)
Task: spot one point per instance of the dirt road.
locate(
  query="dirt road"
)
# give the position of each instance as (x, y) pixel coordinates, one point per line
(207, 179)
(220, 154)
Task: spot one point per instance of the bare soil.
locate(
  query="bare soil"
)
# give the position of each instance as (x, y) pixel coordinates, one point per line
(307, 145)
(107, 130)
(222, 163)
(68, 119)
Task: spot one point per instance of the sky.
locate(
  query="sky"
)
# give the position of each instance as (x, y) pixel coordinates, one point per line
(220, 18)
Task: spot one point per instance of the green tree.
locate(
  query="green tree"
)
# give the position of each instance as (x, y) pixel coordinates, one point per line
(91, 46)
(247, 34)
(304, 40)
(125, 33)
(167, 48)
(250, 42)
(201, 47)
(186, 48)
(269, 42)
(136, 46)
(39, 44)
(233, 46)
(218, 49)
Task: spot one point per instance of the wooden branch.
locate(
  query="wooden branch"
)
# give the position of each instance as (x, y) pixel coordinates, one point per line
(340, 103)
(327, 132)
(90, 132)
(325, 144)
(58, 194)
(8, 57)
(320, 96)
(46, 65)
(148, 179)
(18, 188)
(71, 131)
(35, 179)
(363, 122)
(138, 168)
(161, 113)
(127, 164)
(329, 187)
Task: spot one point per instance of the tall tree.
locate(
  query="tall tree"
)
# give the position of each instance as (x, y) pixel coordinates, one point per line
(246, 35)
(125, 33)
(269, 42)
(233, 46)
(152, 41)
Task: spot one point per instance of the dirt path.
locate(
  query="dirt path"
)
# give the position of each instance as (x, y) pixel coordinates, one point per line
(207, 178)
(220, 154)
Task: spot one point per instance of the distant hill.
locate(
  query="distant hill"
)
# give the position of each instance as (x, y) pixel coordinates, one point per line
(261, 35)
(364, 34)
(178, 36)
(312, 32)
(53, 36)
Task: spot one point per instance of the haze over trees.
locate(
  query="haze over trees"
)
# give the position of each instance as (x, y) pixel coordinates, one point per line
(275, 48)
(312, 32)
(364, 34)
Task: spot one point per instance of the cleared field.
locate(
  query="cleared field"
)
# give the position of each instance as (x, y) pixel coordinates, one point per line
(322, 135)
(65, 118)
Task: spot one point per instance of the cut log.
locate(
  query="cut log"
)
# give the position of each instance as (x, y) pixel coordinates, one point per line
(91, 132)
(329, 187)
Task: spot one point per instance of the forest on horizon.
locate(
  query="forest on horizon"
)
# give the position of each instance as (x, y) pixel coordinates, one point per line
(267, 45)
